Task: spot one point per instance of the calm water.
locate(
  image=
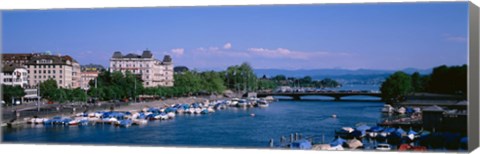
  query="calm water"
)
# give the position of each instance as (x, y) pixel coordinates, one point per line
(233, 127)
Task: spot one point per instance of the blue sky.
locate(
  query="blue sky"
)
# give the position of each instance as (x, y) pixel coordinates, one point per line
(350, 36)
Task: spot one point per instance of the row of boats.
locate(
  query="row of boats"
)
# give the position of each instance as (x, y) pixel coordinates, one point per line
(387, 108)
(128, 118)
(398, 138)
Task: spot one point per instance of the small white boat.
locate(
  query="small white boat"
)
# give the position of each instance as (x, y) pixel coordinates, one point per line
(242, 103)
(74, 122)
(383, 134)
(348, 129)
(210, 110)
(164, 116)
(111, 120)
(387, 108)
(270, 98)
(198, 110)
(262, 103)
(180, 111)
(373, 134)
(139, 121)
(39, 120)
(171, 115)
(94, 119)
(234, 102)
(91, 115)
(190, 111)
(401, 110)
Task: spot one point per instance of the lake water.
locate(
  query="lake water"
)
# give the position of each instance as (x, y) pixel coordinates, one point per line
(233, 127)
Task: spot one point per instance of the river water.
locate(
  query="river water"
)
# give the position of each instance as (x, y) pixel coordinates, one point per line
(233, 127)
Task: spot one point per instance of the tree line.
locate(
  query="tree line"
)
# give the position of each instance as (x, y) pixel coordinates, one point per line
(120, 86)
(443, 80)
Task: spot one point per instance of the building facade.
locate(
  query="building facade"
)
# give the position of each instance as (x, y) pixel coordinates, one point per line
(153, 72)
(14, 75)
(63, 69)
(88, 74)
(17, 58)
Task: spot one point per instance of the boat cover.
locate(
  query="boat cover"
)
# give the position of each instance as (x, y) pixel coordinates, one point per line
(336, 142)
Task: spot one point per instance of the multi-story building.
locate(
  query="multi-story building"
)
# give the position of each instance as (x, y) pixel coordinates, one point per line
(63, 69)
(89, 73)
(14, 75)
(153, 72)
(17, 58)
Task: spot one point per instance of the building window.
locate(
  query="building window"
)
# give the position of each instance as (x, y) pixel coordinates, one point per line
(48, 71)
(60, 66)
(44, 77)
(53, 71)
(44, 72)
(60, 76)
(34, 71)
(60, 71)
(44, 66)
(34, 66)
(48, 66)
(34, 76)
(53, 66)
(60, 81)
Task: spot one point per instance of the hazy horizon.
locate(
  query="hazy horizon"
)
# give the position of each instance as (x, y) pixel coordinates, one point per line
(290, 37)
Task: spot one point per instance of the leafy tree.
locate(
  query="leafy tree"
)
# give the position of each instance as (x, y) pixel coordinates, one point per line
(449, 80)
(396, 87)
(417, 84)
(48, 89)
(12, 92)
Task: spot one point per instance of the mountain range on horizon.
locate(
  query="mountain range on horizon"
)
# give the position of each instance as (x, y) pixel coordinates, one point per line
(333, 72)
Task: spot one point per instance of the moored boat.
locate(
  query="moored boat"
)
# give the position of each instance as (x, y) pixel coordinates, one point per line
(387, 108)
(262, 103)
(242, 103)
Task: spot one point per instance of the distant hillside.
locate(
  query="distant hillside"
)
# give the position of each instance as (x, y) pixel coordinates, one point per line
(360, 76)
(333, 72)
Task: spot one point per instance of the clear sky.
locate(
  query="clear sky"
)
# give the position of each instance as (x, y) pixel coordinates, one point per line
(350, 36)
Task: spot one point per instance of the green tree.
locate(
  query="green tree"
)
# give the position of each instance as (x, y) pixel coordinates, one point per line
(48, 89)
(417, 84)
(12, 92)
(449, 80)
(396, 87)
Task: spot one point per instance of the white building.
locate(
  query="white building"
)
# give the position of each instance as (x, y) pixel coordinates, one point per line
(14, 75)
(153, 72)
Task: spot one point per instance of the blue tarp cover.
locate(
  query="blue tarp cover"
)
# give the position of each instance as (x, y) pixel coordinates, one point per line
(336, 142)
(301, 144)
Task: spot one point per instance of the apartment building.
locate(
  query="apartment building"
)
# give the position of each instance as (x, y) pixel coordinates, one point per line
(63, 69)
(153, 72)
(14, 75)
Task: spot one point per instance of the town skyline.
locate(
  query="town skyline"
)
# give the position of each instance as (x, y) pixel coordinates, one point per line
(268, 37)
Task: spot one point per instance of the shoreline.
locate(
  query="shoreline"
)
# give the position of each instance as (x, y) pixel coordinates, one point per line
(130, 107)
